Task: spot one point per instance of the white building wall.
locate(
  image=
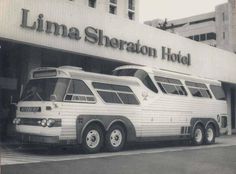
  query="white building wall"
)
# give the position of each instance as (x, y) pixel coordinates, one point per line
(206, 61)
(190, 29)
(222, 27)
(232, 20)
(102, 7)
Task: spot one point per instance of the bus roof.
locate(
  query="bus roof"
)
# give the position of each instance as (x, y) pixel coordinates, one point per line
(170, 74)
(79, 73)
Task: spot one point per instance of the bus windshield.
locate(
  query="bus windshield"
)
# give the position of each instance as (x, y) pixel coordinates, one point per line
(43, 89)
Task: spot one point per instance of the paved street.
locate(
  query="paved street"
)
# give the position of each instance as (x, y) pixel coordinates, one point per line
(218, 159)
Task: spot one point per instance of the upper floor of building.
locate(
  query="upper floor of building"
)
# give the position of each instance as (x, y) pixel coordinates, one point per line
(128, 9)
(217, 28)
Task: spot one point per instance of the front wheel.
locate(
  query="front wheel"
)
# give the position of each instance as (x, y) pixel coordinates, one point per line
(198, 135)
(115, 138)
(93, 139)
(210, 135)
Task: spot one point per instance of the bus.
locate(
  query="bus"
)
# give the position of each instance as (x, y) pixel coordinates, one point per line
(67, 105)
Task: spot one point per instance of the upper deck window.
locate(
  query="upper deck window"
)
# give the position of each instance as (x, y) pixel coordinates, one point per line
(118, 94)
(78, 91)
(140, 74)
(198, 89)
(170, 86)
(218, 92)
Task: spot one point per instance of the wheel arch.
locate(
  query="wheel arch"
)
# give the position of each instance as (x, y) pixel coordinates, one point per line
(204, 122)
(215, 125)
(105, 121)
(118, 122)
(90, 122)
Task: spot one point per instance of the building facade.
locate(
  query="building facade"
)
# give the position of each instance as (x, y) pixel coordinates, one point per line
(215, 28)
(68, 33)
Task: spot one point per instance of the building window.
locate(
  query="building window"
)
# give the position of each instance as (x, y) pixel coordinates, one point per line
(203, 37)
(223, 16)
(196, 37)
(112, 9)
(113, 1)
(131, 15)
(211, 36)
(224, 35)
(131, 5)
(190, 37)
(92, 3)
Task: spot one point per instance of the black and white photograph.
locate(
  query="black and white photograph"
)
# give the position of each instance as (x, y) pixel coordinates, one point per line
(117, 87)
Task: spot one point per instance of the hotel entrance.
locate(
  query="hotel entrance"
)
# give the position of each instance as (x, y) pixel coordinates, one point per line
(230, 90)
(233, 110)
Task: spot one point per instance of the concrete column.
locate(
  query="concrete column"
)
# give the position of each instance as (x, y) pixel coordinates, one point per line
(1, 59)
(33, 58)
(228, 97)
(234, 106)
(232, 24)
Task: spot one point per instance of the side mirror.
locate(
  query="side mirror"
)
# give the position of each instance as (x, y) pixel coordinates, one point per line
(53, 97)
(12, 102)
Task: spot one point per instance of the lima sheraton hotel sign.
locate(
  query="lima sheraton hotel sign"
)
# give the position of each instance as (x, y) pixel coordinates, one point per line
(96, 36)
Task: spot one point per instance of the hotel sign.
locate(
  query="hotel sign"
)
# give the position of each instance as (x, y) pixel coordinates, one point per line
(96, 36)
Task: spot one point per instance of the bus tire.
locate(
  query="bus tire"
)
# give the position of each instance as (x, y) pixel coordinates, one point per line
(115, 138)
(93, 139)
(210, 134)
(198, 135)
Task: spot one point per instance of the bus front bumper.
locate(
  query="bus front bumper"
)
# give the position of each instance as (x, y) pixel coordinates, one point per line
(37, 139)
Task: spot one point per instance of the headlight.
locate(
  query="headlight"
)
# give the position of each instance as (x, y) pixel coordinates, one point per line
(50, 122)
(44, 123)
(16, 121)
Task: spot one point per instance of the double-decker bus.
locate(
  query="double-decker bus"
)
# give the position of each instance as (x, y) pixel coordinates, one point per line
(67, 105)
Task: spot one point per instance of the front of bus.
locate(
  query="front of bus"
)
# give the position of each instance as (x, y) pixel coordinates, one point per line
(38, 118)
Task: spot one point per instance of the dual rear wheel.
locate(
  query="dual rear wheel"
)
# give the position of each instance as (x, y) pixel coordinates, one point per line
(94, 138)
(204, 136)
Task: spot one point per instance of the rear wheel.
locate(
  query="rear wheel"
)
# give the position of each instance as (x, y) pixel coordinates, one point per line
(115, 138)
(198, 135)
(210, 135)
(93, 139)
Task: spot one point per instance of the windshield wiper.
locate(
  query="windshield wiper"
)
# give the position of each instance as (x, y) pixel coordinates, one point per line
(32, 93)
(29, 94)
(39, 96)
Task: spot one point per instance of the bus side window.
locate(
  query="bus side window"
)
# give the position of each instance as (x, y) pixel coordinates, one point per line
(218, 92)
(198, 89)
(170, 86)
(140, 74)
(117, 94)
(79, 92)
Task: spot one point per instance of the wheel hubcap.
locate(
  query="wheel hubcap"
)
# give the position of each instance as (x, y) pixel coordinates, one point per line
(93, 138)
(116, 138)
(210, 134)
(198, 135)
